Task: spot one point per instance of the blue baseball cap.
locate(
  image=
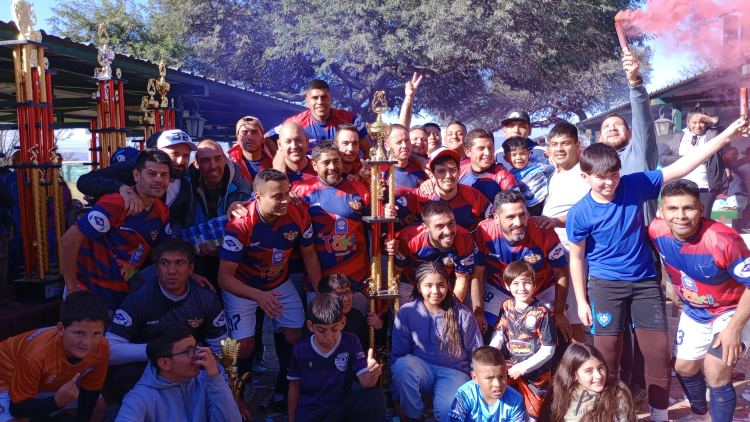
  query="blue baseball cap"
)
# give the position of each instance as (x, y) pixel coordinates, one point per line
(124, 154)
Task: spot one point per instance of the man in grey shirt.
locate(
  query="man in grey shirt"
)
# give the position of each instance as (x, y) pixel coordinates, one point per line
(636, 146)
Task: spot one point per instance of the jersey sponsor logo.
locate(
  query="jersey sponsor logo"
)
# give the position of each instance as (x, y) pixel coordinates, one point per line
(356, 204)
(532, 258)
(252, 245)
(98, 221)
(277, 257)
(469, 260)
(743, 270)
(557, 252)
(154, 234)
(489, 212)
(37, 332)
(448, 261)
(530, 321)
(342, 361)
(308, 233)
(219, 321)
(152, 322)
(122, 318)
(341, 226)
(518, 347)
(125, 229)
(694, 298)
(688, 282)
(167, 229)
(401, 200)
(51, 378)
(359, 124)
(604, 319)
(194, 322)
(232, 244)
(291, 235)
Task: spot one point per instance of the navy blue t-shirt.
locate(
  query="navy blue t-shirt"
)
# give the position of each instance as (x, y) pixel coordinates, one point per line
(325, 378)
(616, 247)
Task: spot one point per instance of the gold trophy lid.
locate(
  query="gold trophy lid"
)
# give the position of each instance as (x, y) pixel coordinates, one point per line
(105, 55)
(379, 130)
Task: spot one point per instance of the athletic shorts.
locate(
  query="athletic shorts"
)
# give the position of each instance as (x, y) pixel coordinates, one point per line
(693, 340)
(240, 312)
(359, 301)
(5, 415)
(610, 299)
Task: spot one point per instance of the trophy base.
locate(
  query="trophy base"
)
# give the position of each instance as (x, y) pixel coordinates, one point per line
(384, 295)
(381, 220)
(32, 289)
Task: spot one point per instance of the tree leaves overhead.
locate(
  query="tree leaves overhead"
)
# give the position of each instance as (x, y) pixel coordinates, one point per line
(481, 58)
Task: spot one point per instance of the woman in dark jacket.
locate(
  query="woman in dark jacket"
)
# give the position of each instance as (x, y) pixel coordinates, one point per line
(710, 176)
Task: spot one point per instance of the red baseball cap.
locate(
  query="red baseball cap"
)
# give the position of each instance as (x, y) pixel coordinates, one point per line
(443, 152)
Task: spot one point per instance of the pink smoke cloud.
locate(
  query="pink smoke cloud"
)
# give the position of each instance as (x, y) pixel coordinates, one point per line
(695, 26)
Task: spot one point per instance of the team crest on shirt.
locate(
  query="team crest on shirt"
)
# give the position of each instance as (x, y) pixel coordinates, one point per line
(557, 253)
(291, 235)
(51, 378)
(532, 258)
(688, 282)
(530, 322)
(356, 204)
(342, 227)
(402, 201)
(342, 361)
(194, 322)
(448, 261)
(604, 319)
(232, 244)
(518, 347)
(154, 234)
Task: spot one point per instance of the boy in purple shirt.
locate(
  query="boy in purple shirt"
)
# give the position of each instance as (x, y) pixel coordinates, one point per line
(323, 368)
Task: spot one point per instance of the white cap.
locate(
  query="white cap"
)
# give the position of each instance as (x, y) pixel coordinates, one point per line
(174, 137)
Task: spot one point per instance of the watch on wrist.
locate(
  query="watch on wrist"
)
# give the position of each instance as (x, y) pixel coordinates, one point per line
(637, 83)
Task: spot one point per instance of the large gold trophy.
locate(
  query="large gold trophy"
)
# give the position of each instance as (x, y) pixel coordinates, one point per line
(379, 131)
(230, 349)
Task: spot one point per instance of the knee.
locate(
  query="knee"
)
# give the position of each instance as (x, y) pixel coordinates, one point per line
(404, 368)
(293, 335)
(376, 397)
(99, 410)
(247, 345)
(687, 368)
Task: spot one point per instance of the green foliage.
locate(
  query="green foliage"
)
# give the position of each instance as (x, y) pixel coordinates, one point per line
(481, 58)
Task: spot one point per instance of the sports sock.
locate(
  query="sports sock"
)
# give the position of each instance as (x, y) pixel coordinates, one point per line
(695, 389)
(723, 402)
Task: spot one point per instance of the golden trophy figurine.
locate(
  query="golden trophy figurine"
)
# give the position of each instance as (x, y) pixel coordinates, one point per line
(162, 85)
(379, 131)
(57, 195)
(230, 350)
(105, 56)
(151, 89)
(25, 18)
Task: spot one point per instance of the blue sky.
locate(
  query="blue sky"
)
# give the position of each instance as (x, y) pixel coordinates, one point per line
(666, 63)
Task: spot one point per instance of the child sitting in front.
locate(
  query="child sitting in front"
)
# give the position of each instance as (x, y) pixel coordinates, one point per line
(531, 172)
(583, 390)
(486, 397)
(324, 366)
(527, 336)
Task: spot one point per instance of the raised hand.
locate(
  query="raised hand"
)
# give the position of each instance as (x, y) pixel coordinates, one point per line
(372, 365)
(410, 88)
(631, 65)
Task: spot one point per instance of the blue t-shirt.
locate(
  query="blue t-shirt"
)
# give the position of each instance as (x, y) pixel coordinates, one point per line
(616, 247)
(469, 406)
(325, 378)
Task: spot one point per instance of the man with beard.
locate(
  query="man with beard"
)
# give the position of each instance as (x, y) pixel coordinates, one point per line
(407, 175)
(455, 135)
(248, 150)
(511, 236)
(320, 121)
(436, 239)
(118, 178)
(347, 140)
(106, 246)
(433, 137)
(469, 205)
(518, 123)
(418, 138)
(336, 206)
(636, 147)
(482, 173)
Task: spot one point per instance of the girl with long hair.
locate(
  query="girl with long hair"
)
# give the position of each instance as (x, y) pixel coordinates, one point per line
(583, 390)
(434, 336)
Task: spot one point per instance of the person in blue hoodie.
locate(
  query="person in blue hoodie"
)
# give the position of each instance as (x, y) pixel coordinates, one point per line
(173, 387)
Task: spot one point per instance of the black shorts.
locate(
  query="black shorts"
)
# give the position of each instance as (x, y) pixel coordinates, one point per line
(610, 299)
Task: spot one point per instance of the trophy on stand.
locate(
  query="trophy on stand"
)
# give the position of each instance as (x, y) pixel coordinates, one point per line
(105, 56)
(743, 108)
(230, 349)
(379, 131)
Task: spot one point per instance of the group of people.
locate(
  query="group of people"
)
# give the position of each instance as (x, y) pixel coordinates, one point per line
(489, 239)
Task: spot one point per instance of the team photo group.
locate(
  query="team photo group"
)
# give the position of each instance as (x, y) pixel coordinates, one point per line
(528, 282)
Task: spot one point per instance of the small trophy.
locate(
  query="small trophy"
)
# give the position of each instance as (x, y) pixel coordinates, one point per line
(230, 349)
(23, 13)
(379, 131)
(162, 85)
(105, 56)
